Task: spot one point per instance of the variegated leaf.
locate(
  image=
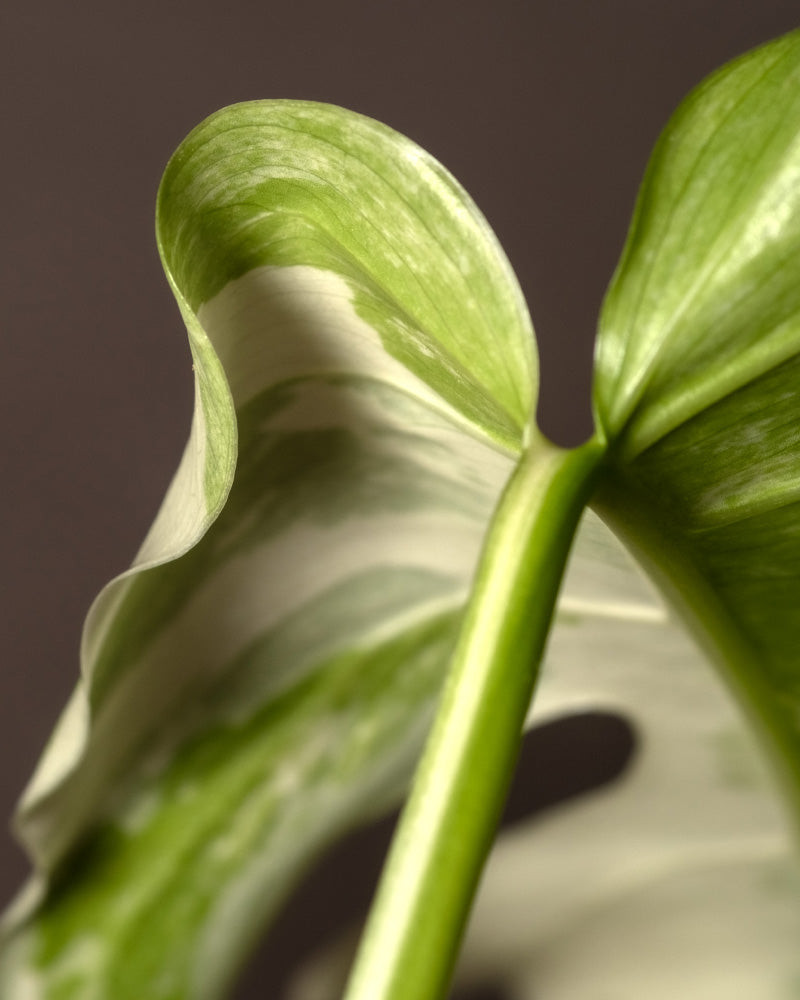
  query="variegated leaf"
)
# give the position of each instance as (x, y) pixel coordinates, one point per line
(261, 678)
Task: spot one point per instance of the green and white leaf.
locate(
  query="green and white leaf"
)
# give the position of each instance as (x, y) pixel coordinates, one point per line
(262, 678)
(679, 879)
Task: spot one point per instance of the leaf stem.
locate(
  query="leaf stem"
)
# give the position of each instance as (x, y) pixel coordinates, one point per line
(446, 830)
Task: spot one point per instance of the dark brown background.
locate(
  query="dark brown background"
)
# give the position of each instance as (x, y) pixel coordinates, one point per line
(544, 109)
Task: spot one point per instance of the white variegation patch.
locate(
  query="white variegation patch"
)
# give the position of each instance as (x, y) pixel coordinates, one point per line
(266, 328)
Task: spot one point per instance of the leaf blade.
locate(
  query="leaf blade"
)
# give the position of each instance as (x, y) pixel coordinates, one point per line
(284, 599)
(696, 381)
(703, 296)
(411, 233)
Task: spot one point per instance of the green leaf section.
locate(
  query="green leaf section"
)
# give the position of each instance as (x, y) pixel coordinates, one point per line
(705, 298)
(696, 387)
(262, 678)
(287, 182)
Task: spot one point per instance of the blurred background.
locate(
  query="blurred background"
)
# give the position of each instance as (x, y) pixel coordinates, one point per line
(545, 110)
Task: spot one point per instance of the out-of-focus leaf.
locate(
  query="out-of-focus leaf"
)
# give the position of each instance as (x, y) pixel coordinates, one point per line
(687, 884)
(679, 879)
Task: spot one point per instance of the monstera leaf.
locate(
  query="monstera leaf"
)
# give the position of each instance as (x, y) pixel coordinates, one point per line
(365, 504)
(262, 678)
